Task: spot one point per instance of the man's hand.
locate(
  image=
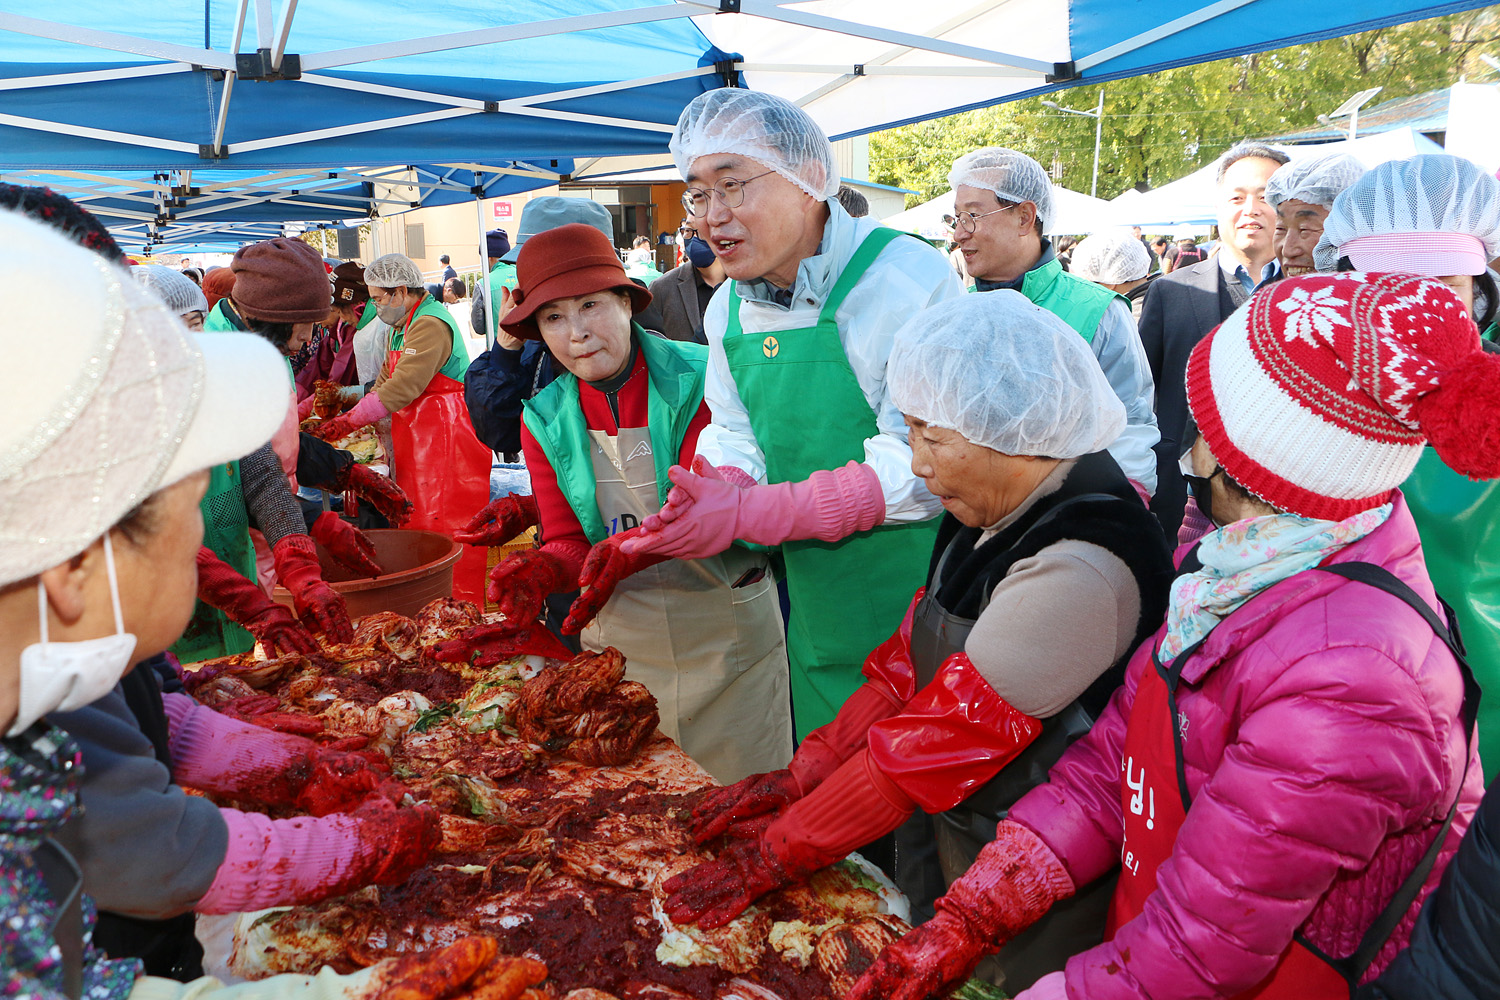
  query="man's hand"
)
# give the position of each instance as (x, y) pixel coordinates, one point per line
(500, 520)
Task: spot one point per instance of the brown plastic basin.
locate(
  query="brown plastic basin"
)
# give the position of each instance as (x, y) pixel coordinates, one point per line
(418, 569)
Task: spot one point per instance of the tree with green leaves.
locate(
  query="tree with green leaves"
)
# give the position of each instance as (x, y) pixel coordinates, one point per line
(1160, 127)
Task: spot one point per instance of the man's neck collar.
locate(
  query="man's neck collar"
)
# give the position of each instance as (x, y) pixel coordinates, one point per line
(1044, 256)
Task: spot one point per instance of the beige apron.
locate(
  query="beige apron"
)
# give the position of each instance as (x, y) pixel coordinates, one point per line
(713, 654)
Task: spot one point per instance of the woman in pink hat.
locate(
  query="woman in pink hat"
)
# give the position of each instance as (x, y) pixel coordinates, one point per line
(1288, 766)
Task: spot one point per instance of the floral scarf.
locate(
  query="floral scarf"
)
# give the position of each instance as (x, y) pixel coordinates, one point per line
(1242, 559)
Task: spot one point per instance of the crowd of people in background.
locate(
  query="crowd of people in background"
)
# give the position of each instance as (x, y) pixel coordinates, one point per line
(955, 556)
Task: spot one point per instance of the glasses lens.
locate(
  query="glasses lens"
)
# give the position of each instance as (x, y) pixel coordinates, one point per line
(732, 192)
(695, 203)
(966, 221)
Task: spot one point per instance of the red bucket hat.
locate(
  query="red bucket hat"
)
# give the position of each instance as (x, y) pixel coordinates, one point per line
(570, 260)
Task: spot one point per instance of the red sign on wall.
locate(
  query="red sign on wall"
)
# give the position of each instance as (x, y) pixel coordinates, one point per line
(501, 209)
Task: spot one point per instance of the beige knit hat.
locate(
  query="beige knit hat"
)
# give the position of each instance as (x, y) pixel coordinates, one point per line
(109, 400)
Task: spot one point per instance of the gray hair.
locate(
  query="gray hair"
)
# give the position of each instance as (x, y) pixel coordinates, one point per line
(1247, 150)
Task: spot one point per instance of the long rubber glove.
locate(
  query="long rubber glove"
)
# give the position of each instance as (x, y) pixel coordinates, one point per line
(1012, 883)
(276, 628)
(520, 583)
(366, 411)
(500, 520)
(469, 967)
(346, 543)
(603, 569)
(487, 645)
(232, 758)
(381, 492)
(890, 684)
(319, 605)
(705, 513)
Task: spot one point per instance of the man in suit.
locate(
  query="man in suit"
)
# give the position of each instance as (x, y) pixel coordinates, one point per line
(683, 293)
(1184, 305)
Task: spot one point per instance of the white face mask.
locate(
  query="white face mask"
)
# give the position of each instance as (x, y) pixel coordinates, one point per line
(62, 676)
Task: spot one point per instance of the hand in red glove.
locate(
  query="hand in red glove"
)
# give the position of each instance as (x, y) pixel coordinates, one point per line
(499, 521)
(603, 569)
(338, 782)
(716, 892)
(379, 491)
(487, 645)
(405, 838)
(1012, 883)
(346, 543)
(245, 603)
(723, 808)
(317, 603)
(520, 583)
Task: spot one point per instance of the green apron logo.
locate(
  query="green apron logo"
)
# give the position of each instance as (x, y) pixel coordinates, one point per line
(771, 347)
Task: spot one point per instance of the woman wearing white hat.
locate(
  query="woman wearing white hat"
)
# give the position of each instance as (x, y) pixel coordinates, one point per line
(107, 438)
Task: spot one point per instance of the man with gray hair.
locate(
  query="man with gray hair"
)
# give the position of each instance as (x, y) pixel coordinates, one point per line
(1003, 205)
(1184, 305)
(1302, 193)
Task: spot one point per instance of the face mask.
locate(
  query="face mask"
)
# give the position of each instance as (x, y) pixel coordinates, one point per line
(391, 314)
(699, 252)
(62, 676)
(1201, 486)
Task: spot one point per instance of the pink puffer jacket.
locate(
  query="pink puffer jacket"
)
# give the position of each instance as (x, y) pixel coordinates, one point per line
(1323, 751)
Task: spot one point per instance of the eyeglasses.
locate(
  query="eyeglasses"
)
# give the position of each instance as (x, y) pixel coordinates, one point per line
(966, 220)
(731, 192)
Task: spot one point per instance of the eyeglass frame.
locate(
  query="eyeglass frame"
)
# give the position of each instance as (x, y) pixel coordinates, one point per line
(972, 224)
(708, 193)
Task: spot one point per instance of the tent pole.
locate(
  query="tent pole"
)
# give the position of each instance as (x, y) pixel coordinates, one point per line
(484, 268)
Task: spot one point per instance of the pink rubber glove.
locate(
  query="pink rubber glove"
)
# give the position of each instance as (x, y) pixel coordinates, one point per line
(1052, 986)
(292, 862)
(1012, 883)
(366, 411)
(828, 505)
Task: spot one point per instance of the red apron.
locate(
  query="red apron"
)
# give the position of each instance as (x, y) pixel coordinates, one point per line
(1154, 809)
(444, 469)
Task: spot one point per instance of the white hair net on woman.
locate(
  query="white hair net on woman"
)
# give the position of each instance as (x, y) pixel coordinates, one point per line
(1011, 175)
(1112, 257)
(1317, 181)
(174, 288)
(766, 128)
(393, 270)
(1005, 374)
(1437, 201)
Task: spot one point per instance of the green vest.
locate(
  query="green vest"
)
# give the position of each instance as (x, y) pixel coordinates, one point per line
(218, 321)
(1078, 303)
(458, 359)
(226, 531)
(675, 372)
(502, 275)
(367, 315)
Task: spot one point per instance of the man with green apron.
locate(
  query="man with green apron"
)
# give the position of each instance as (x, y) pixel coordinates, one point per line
(806, 451)
(1003, 205)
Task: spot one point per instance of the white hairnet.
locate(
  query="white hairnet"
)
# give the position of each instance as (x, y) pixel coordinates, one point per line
(1011, 175)
(770, 129)
(1431, 193)
(393, 270)
(1317, 181)
(1112, 257)
(173, 287)
(1005, 374)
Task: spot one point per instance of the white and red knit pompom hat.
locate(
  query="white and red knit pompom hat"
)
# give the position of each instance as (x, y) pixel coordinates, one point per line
(1318, 394)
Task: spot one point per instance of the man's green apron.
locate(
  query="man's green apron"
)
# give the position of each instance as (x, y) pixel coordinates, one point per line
(808, 412)
(703, 635)
(226, 530)
(1459, 522)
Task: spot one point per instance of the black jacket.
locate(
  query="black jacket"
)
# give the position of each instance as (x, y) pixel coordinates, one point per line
(1454, 952)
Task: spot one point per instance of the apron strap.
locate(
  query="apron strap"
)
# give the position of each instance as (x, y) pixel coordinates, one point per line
(64, 881)
(869, 248)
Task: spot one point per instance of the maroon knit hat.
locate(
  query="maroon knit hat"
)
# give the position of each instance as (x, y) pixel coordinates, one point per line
(1319, 393)
(281, 281)
(349, 284)
(575, 259)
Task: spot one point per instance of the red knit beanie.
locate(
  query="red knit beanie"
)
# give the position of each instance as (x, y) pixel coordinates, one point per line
(1318, 394)
(281, 281)
(575, 259)
(217, 284)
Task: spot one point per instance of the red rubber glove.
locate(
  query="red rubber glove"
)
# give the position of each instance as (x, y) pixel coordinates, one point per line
(891, 683)
(501, 520)
(346, 543)
(717, 891)
(487, 645)
(275, 627)
(318, 604)
(1012, 883)
(520, 583)
(338, 782)
(603, 569)
(381, 492)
